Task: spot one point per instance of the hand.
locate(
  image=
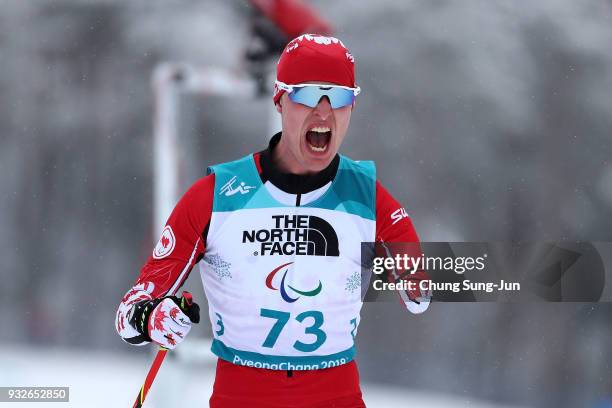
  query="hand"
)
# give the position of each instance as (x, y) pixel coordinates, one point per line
(166, 321)
(418, 300)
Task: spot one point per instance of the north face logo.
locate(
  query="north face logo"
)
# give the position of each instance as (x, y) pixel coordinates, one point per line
(295, 235)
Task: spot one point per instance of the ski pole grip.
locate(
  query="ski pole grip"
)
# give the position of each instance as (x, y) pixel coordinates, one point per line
(187, 298)
(192, 310)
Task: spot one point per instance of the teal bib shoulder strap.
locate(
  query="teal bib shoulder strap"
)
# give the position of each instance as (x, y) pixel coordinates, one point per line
(353, 190)
(236, 183)
(238, 186)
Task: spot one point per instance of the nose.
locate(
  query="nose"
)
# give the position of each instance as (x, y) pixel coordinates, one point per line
(323, 108)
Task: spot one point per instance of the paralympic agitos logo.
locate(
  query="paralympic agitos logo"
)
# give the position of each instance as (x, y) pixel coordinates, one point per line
(295, 235)
(283, 286)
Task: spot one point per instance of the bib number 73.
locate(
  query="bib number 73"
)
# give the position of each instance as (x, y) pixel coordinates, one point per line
(281, 320)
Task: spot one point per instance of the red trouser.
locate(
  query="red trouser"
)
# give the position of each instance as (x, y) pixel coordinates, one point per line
(239, 386)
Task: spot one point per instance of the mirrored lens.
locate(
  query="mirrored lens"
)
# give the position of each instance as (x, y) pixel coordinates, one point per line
(311, 95)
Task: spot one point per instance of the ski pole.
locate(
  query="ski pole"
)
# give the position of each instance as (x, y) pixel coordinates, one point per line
(144, 390)
(186, 302)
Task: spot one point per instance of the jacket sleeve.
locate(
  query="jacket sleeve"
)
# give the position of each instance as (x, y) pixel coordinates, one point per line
(180, 247)
(394, 227)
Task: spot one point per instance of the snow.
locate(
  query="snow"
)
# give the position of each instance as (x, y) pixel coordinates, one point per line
(102, 379)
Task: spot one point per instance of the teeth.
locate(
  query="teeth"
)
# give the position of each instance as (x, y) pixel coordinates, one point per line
(317, 149)
(316, 136)
(320, 129)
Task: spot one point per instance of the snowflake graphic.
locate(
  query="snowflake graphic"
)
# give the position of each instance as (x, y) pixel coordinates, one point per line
(219, 266)
(353, 282)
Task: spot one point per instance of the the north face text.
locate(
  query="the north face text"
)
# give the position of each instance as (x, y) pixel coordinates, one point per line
(295, 235)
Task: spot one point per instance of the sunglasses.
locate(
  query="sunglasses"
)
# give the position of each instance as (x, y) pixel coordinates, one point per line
(310, 94)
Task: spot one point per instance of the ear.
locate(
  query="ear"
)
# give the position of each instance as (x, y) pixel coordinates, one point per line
(353, 105)
(279, 107)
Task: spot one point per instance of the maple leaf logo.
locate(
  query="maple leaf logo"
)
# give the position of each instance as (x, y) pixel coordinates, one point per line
(165, 241)
(170, 339)
(174, 312)
(165, 245)
(158, 320)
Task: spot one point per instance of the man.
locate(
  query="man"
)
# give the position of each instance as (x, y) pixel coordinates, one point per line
(279, 235)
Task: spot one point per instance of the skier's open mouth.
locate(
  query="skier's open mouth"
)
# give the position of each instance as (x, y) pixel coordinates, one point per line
(318, 138)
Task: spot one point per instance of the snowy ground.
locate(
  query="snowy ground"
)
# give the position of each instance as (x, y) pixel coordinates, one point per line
(99, 380)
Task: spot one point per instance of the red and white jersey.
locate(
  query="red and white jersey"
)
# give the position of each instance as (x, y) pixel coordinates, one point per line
(195, 223)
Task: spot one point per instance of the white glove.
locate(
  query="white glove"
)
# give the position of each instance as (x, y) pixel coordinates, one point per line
(168, 325)
(165, 321)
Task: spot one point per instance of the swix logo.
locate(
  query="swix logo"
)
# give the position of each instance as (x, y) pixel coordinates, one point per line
(398, 214)
(229, 189)
(284, 286)
(166, 243)
(295, 235)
